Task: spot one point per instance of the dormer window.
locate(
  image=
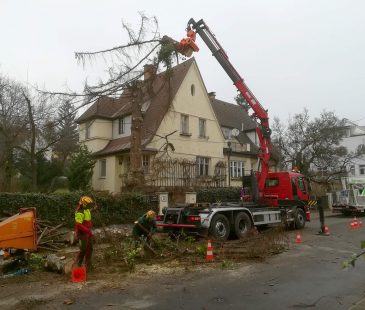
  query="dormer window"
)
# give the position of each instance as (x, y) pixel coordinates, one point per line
(121, 125)
(145, 106)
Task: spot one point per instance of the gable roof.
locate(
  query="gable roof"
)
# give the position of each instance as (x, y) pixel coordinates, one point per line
(165, 88)
(103, 107)
(234, 116)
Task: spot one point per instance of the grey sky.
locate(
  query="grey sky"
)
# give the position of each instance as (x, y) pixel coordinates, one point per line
(292, 54)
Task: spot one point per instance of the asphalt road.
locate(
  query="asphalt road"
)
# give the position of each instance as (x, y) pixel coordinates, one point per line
(309, 275)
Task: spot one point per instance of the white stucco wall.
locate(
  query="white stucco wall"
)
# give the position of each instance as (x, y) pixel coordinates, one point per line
(128, 123)
(111, 182)
(100, 134)
(195, 106)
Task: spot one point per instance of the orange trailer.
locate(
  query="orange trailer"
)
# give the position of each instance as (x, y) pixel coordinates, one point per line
(19, 231)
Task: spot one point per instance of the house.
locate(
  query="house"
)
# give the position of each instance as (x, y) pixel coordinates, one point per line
(185, 135)
(355, 136)
(236, 126)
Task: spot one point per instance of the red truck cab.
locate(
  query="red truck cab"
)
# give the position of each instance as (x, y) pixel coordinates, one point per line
(287, 185)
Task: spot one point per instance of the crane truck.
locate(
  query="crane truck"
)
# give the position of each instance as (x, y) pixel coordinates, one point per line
(269, 197)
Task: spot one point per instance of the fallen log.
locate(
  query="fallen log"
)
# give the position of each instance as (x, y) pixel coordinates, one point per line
(59, 264)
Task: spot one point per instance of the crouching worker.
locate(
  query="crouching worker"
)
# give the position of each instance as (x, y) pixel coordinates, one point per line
(145, 226)
(83, 231)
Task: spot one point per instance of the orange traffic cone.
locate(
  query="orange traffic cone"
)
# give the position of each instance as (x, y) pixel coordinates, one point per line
(78, 274)
(326, 230)
(209, 257)
(298, 238)
(354, 223)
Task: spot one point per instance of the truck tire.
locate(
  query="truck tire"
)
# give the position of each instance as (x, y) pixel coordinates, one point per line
(219, 227)
(242, 225)
(299, 218)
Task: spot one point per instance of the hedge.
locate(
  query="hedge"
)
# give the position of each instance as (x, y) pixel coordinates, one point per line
(218, 194)
(57, 208)
(121, 209)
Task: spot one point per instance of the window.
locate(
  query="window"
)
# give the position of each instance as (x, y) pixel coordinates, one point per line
(87, 130)
(127, 164)
(301, 185)
(274, 182)
(294, 187)
(145, 163)
(202, 166)
(227, 132)
(102, 167)
(352, 169)
(202, 128)
(184, 130)
(322, 170)
(362, 169)
(237, 168)
(121, 126)
(192, 89)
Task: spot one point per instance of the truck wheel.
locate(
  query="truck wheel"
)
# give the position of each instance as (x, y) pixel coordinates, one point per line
(299, 219)
(219, 227)
(242, 225)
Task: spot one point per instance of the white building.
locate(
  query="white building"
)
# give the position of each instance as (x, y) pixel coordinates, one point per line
(355, 136)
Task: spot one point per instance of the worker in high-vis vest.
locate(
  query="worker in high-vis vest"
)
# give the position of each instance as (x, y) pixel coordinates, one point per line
(145, 226)
(83, 231)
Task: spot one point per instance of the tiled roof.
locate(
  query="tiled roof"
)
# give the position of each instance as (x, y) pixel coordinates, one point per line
(104, 107)
(233, 116)
(164, 89)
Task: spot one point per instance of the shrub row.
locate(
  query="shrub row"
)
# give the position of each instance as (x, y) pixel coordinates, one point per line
(58, 208)
(120, 209)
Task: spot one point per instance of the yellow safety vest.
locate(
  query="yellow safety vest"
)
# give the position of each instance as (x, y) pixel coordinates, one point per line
(82, 215)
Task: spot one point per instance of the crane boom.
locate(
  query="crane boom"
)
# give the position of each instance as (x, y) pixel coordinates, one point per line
(263, 130)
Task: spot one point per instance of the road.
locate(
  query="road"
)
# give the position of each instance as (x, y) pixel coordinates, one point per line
(308, 275)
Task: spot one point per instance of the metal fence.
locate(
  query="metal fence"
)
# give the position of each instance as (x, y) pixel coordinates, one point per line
(183, 173)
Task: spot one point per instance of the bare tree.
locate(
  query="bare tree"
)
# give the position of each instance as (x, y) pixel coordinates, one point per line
(314, 145)
(13, 117)
(126, 63)
(39, 135)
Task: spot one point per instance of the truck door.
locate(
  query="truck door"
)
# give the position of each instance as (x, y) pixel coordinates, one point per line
(300, 188)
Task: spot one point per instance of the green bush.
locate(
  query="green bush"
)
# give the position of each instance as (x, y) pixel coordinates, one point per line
(212, 195)
(60, 208)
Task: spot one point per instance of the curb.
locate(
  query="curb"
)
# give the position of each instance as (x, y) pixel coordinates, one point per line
(359, 305)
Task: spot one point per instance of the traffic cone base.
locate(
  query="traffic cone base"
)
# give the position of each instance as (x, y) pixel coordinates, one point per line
(209, 257)
(355, 224)
(326, 230)
(78, 274)
(298, 238)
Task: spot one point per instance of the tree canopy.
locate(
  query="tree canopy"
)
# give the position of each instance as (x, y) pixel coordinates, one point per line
(314, 145)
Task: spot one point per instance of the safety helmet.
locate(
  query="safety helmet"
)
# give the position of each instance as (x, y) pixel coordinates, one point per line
(151, 215)
(85, 200)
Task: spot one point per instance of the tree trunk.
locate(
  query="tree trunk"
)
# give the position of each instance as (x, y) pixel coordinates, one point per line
(33, 163)
(135, 176)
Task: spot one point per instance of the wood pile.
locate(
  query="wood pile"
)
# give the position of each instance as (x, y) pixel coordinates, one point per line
(49, 236)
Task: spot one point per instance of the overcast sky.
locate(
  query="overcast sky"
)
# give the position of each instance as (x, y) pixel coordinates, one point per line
(292, 54)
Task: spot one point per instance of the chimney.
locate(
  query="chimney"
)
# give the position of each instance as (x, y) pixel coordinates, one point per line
(149, 70)
(211, 95)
